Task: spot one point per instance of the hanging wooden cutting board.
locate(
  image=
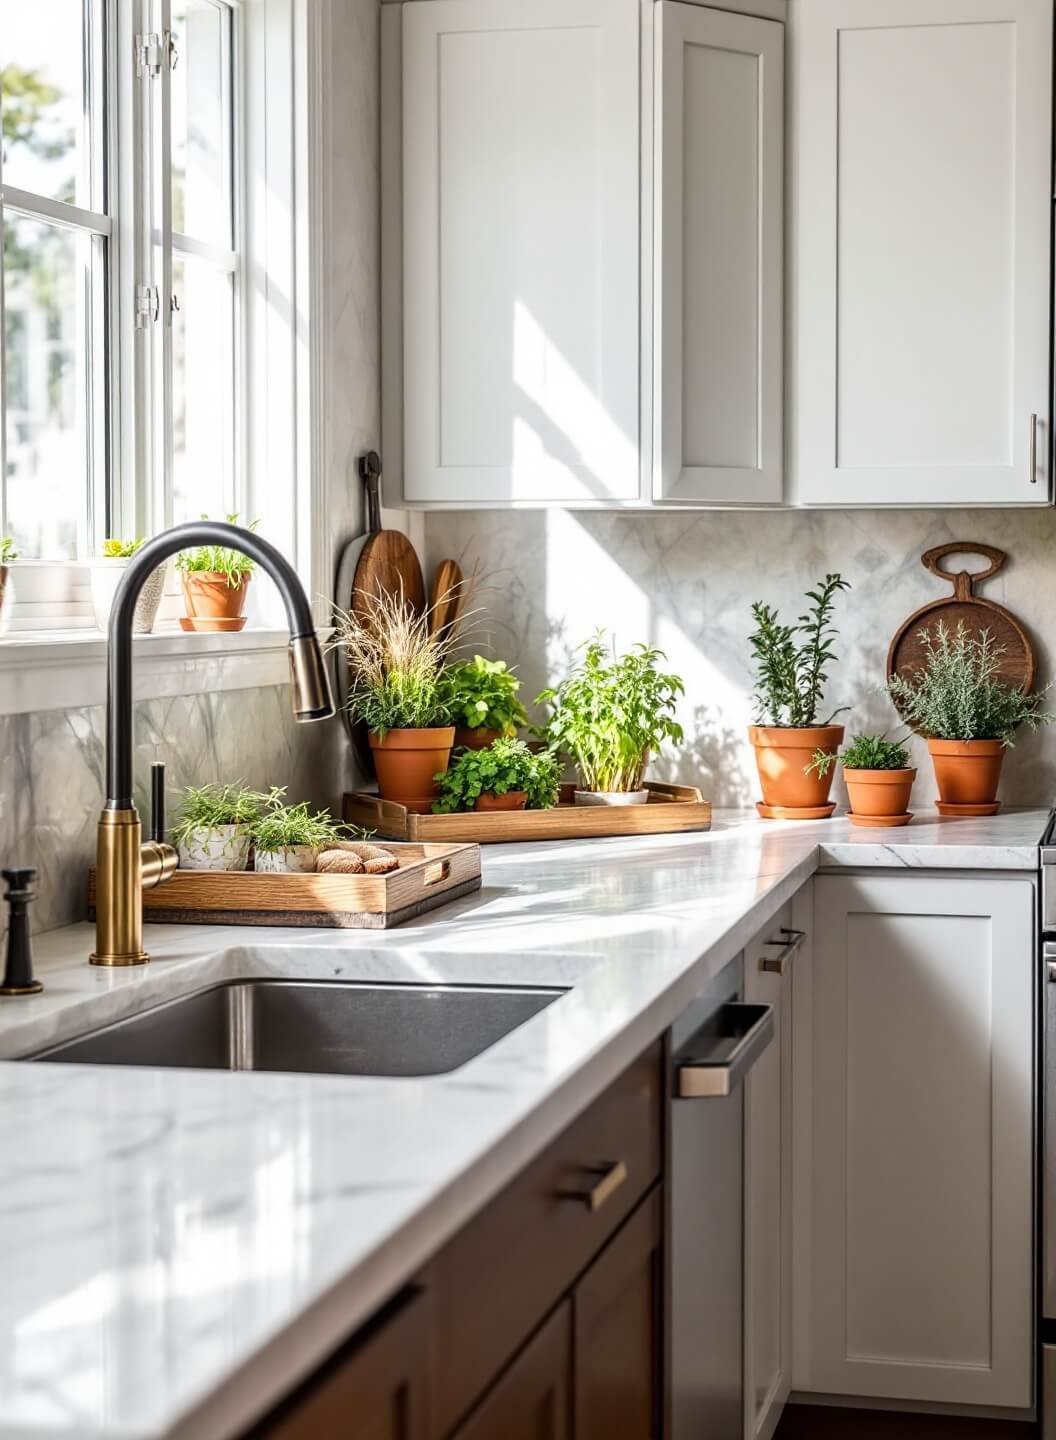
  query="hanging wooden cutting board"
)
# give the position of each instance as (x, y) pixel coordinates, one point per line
(446, 598)
(388, 563)
(906, 654)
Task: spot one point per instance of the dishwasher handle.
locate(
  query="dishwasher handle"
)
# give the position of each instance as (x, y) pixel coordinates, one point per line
(715, 1060)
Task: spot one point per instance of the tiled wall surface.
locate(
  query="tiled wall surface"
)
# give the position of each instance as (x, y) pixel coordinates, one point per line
(52, 762)
(686, 582)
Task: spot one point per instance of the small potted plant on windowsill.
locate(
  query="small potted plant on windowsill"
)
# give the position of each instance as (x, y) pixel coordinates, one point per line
(879, 779)
(289, 838)
(957, 700)
(215, 579)
(395, 665)
(8, 556)
(507, 775)
(481, 696)
(791, 664)
(610, 715)
(105, 572)
(213, 830)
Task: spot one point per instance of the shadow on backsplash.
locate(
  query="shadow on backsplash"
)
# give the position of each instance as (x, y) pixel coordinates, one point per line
(685, 582)
(52, 763)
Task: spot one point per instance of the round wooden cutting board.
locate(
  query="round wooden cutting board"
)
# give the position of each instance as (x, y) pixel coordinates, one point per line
(388, 563)
(906, 654)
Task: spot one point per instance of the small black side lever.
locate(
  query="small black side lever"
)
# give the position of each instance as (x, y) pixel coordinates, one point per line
(18, 972)
(157, 801)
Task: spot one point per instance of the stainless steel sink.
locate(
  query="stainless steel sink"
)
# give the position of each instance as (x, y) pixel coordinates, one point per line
(315, 1027)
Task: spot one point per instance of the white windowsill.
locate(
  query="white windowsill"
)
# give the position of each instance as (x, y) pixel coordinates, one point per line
(63, 670)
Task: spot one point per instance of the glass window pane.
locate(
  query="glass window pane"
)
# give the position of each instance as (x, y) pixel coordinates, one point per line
(54, 360)
(45, 100)
(203, 431)
(201, 121)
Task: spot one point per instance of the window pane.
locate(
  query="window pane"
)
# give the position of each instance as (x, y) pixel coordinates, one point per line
(203, 431)
(54, 366)
(201, 121)
(45, 103)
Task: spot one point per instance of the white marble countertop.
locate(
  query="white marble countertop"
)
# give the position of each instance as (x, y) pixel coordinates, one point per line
(181, 1247)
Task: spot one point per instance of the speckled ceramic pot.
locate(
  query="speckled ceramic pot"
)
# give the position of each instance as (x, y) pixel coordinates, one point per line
(221, 847)
(7, 597)
(106, 575)
(293, 860)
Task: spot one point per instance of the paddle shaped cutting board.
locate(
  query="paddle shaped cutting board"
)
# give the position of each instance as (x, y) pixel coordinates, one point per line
(388, 563)
(906, 654)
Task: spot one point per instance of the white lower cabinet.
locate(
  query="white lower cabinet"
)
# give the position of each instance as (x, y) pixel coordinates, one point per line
(920, 1186)
(770, 973)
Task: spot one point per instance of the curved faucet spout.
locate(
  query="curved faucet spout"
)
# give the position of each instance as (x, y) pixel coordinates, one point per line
(311, 688)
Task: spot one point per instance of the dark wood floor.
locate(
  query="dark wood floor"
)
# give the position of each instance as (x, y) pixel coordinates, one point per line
(825, 1422)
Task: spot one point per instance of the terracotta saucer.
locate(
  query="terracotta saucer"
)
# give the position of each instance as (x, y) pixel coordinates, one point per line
(789, 812)
(212, 624)
(945, 808)
(880, 822)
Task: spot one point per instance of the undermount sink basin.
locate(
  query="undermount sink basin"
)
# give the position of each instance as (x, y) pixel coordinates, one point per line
(314, 1027)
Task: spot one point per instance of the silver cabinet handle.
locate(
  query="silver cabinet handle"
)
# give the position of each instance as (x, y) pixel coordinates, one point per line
(1033, 449)
(1050, 970)
(611, 1177)
(715, 1060)
(790, 942)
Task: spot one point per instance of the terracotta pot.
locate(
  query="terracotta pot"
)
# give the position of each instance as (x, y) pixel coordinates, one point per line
(782, 756)
(475, 739)
(208, 596)
(967, 772)
(879, 792)
(512, 800)
(407, 760)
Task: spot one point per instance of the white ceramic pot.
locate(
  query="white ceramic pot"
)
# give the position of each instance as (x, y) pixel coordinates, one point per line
(220, 847)
(612, 797)
(293, 860)
(7, 597)
(105, 576)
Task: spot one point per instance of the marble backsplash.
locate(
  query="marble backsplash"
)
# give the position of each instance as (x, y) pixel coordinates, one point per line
(685, 581)
(52, 764)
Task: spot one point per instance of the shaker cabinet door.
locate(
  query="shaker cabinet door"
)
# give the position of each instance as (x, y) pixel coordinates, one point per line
(521, 250)
(719, 256)
(921, 1276)
(920, 144)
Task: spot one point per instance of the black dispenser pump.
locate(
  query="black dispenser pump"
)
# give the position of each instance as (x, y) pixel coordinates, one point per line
(18, 972)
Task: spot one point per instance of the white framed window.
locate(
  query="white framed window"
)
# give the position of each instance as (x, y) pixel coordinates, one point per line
(122, 397)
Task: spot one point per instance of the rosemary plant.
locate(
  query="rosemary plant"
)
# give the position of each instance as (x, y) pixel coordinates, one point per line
(792, 661)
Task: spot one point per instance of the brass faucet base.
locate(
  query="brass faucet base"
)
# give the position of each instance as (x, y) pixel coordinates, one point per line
(33, 989)
(117, 961)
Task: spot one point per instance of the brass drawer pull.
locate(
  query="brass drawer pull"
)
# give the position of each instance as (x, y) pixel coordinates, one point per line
(611, 1177)
(790, 940)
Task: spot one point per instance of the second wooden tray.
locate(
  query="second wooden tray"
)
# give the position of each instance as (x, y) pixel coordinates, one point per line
(671, 810)
(429, 875)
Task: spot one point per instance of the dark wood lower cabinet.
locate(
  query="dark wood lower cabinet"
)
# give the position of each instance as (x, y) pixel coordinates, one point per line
(533, 1399)
(374, 1389)
(540, 1320)
(618, 1318)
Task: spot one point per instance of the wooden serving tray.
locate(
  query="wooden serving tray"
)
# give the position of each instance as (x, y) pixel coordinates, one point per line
(429, 875)
(671, 810)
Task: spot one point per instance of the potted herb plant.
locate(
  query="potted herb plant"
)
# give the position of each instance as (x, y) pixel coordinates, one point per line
(395, 665)
(215, 579)
(213, 830)
(879, 779)
(289, 838)
(507, 775)
(610, 714)
(791, 663)
(8, 556)
(957, 700)
(105, 572)
(481, 697)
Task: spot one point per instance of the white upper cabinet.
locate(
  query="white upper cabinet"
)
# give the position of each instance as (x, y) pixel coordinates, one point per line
(921, 208)
(521, 251)
(718, 256)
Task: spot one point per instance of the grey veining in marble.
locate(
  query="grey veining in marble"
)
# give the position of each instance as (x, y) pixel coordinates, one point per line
(686, 582)
(191, 1244)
